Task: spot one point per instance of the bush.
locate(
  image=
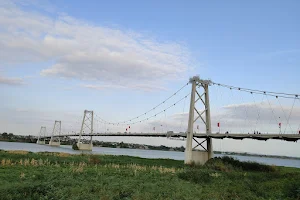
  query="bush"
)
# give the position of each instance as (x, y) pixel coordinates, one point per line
(195, 175)
(292, 189)
(231, 163)
(75, 147)
(218, 164)
(35, 190)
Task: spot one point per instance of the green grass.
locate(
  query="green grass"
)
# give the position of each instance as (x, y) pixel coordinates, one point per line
(62, 176)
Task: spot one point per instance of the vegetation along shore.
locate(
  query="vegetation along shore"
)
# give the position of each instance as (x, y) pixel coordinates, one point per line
(27, 175)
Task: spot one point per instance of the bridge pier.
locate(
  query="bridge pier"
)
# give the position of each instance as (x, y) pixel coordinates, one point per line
(86, 147)
(54, 143)
(193, 156)
(40, 142)
(200, 157)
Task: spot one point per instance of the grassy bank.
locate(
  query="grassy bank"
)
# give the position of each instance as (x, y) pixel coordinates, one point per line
(26, 175)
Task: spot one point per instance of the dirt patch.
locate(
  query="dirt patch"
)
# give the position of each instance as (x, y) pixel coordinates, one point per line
(18, 152)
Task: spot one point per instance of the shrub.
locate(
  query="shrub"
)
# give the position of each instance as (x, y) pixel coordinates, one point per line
(292, 189)
(195, 175)
(218, 164)
(232, 163)
(75, 147)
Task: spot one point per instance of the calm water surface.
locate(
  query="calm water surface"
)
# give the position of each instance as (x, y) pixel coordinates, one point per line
(139, 153)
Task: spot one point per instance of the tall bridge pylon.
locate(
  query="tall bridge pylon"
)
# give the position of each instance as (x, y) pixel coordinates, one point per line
(55, 137)
(199, 94)
(87, 127)
(42, 135)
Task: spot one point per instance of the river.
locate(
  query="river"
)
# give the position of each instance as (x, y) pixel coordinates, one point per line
(139, 153)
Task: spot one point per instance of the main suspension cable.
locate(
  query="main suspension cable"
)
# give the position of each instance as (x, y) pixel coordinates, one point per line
(274, 94)
(145, 113)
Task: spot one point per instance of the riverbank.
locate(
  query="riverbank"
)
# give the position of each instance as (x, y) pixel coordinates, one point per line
(229, 153)
(26, 175)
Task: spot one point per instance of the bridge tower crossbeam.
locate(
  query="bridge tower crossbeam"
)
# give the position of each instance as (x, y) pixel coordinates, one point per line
(200, 93)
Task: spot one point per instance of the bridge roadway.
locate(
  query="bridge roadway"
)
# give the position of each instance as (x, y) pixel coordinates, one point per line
(237, 136)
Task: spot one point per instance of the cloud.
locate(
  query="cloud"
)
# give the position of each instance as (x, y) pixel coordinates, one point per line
(84, 51)
(142, 87)
(31, 119)
(237, 118)
(262, 111)
(23, 110)
(11, 81)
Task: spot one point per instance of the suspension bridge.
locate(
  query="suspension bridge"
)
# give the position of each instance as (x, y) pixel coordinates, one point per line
(199, 132)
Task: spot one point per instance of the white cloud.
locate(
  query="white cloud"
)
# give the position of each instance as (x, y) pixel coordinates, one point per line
(262, 111)
(29, 120)
(238, 118)
(84, 51)
(11, 81)
(143, 87)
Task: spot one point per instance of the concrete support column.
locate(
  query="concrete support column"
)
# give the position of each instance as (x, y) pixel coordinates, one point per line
(92, 129)
(55, 137)
(196, 156)
(81, 130)
(42, 136)
(208, 122)
(88, 126)
(189, 134)
(210, 148)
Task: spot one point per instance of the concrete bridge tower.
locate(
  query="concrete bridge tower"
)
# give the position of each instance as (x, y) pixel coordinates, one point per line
(200, 94)
(55, 137)
(42, 135)
(87, 127)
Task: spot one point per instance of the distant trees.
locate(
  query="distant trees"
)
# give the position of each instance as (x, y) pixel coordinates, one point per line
(10, 136)
(123, 145)
(4, 135)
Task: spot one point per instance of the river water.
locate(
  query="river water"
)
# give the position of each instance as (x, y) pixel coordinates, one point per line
(139, 153)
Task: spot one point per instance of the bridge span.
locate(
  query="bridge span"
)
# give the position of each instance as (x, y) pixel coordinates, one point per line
(237, 136)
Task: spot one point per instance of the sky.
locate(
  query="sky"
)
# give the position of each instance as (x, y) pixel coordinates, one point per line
(122, 58)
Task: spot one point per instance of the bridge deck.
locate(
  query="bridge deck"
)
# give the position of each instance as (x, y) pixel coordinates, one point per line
(238, 136)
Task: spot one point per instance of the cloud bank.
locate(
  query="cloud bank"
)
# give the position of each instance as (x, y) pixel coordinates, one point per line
(11, 81)
(89, 52)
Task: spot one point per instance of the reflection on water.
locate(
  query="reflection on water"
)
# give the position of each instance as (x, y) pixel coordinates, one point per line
(139, 153)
